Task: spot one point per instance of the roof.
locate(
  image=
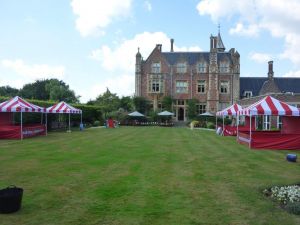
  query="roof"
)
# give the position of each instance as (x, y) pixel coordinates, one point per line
(220, 44)
(270, 106)
(231, 110)
(63, 107)
(254, 84)
(18, 104)
(193, 57)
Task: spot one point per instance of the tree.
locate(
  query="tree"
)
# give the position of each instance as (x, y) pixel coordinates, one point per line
(140, 104)
(126, 103)
(8, 91)
(192, 108)
(108, 101)
(167, 103)
(49, 89)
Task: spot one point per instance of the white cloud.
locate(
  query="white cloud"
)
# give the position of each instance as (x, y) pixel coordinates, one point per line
(119, 62)
(280, 18)
(241, 30)
(148, 6)
(260, 57)
(95, 15)
(35, 71)
(292, 74)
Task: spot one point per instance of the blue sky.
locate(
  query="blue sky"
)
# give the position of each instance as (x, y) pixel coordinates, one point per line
(91, 44)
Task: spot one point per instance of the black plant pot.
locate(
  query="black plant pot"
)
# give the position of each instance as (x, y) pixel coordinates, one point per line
(10, 199)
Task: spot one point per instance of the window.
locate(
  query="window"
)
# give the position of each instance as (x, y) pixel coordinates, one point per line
(181, 87)
(202, 67)
(224, 67)
(224, 87)
(155, 68)
(201, 108)
(180, 102)
(201, 86)
(267, 123)
(155, 86)
(248, 94)
(181, 68)
(279, 122)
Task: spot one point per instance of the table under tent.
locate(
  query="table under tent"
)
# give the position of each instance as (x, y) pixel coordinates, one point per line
(65, 108)
(229, 130)
(288, 137)
(9, 129)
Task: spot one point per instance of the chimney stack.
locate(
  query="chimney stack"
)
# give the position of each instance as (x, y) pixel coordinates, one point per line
(172, 43)
(270, 73)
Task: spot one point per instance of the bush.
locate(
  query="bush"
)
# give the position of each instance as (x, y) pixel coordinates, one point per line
(293, 207)
(96, 123)
(211, 125)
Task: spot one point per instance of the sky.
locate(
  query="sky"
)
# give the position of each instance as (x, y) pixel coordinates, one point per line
(91, 44)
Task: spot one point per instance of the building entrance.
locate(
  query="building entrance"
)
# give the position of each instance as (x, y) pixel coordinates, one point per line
(180, 114)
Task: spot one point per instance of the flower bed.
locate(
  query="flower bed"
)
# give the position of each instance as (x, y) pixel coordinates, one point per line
(287, 196)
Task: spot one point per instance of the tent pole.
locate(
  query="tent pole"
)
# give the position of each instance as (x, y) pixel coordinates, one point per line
(69, 122)
(21, 125)
(237, 126)
(46, 124)
(223, 125)
(250, 132)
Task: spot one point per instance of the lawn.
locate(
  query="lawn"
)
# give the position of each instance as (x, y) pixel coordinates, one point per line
(143, 175)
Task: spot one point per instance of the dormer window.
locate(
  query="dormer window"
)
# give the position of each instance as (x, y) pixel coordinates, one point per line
(201, 67)
(248, 94)
(155, 68)
(224, 67)
(181, 68)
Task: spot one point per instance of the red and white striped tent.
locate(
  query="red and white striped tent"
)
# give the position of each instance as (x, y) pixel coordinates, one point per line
(18, 104)
(63, 107)
(229, 111)
(270, 106)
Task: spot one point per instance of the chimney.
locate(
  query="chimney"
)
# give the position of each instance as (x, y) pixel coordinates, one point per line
(172, 43)
(158, 46)
(270, 73)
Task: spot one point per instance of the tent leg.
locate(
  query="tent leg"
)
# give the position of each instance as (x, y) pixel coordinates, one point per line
(46, 124)
(69, 122)
(21, 125)
(223, 125)
(250, 132)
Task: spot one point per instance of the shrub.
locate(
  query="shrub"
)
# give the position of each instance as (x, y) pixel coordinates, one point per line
(211, 125)
(96, 123)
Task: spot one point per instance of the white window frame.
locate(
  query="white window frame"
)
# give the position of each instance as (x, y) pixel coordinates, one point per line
(201, 85)
(266, 122)
(201, 108)
(155, 86)
(181, 68)
(182, 86)
(224, 67)
(248, 94)
(279, 122)
(224, 87)
(201, 68)
(155, 67)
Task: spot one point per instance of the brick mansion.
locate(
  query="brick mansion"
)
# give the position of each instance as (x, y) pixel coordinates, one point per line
(213, 78)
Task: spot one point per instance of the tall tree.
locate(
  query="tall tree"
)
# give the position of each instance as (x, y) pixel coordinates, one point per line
(126, 103)
(192, 108)
(108, 101)
(140, 104)
(167, 103)
(8, 91)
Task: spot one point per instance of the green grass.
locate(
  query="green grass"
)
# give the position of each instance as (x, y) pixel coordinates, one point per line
(143, 175)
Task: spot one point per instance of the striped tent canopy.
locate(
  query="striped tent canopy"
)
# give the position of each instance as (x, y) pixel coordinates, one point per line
(63, 107)
(230, 111)
(18, 104)
(270, 106)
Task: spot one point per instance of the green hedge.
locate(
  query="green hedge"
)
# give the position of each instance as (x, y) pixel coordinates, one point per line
(89, 113)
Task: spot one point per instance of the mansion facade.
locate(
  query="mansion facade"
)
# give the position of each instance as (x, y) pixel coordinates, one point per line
(213, 78)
